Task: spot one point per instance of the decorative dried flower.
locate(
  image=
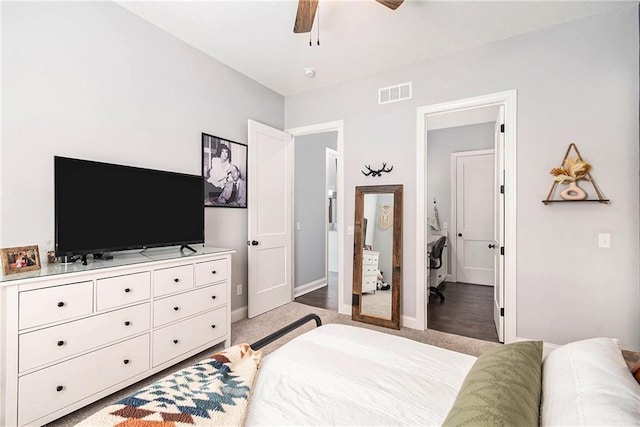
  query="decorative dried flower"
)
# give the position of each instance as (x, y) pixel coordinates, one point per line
(573, 170)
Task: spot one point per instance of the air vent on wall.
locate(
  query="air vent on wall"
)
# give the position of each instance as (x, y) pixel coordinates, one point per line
(394, 93)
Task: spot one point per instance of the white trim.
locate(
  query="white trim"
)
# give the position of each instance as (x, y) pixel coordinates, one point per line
(329, 154)
(239, 313)
(338, 126)
(509, 100)
(309, 287)
(453, 220)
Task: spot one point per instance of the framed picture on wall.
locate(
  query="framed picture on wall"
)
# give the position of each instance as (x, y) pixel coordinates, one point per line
(17, 260)
(224, 170)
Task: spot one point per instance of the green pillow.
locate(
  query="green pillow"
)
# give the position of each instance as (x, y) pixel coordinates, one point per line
(502, 388)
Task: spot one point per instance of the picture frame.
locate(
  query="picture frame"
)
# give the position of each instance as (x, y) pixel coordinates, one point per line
(20, 259)
(224, 172)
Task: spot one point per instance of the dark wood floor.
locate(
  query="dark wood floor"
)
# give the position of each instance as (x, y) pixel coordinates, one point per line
(467, 309)
(326, 297)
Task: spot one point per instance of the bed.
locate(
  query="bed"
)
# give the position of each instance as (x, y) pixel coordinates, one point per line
(346, 375)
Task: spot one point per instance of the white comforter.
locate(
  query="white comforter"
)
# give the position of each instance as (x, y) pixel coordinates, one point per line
(343, 375)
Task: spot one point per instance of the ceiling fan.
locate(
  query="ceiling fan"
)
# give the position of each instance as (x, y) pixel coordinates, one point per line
(307, 13)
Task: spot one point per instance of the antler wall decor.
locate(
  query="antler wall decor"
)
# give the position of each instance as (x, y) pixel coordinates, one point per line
(377, 172)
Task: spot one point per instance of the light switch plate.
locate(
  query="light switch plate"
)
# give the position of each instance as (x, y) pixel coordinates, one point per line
(604, 240)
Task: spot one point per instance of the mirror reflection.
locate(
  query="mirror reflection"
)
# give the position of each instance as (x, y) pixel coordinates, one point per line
(377, 257)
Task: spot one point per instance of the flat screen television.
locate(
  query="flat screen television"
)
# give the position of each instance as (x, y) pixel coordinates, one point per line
(103, 207)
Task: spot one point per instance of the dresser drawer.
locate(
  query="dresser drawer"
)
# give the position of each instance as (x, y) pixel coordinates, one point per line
(369, 283)
(48, 345)
(53, 388)
(174, 279)
(211, 272)
(182, 337)
(177, 307)
(370, 269)
(42, 306)
(122, 290)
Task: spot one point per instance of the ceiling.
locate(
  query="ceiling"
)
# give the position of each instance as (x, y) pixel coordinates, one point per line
(357, 37)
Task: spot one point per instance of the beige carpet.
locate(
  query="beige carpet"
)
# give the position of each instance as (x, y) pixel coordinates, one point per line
(251, 330)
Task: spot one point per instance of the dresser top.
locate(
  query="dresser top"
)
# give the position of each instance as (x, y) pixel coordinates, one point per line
(120, 258)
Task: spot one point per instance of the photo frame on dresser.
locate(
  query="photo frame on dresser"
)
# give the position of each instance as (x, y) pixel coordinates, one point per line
(224, 170)
(19, 259)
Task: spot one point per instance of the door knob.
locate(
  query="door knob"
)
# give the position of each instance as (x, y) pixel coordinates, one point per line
(492, 246)
(459, 234)
(254, 243)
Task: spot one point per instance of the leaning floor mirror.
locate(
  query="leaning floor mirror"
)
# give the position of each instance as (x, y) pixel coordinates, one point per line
(377, 255)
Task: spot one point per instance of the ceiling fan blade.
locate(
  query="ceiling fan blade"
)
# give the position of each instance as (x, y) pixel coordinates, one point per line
(305, 16)
(391, 4)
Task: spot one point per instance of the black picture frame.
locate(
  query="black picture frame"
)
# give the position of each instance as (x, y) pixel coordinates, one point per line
(224, 172)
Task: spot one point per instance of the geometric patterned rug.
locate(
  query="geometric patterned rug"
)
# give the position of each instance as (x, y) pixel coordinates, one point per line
(215, 391)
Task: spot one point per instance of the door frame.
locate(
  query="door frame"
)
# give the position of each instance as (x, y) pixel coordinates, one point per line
(453, 222)
(329, 153)
(338, 126)
(509, 100)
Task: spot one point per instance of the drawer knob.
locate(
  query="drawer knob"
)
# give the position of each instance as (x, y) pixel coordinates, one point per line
(127, 290)
(127, 323)
(213, 326)
(60, 343)
(213, 297)
(176, 308)
(60, 304)
(213, 272)
(59, 388)
(175, 341)
(125, 361)
(176, 280)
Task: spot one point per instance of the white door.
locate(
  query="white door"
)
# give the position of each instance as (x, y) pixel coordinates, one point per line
(498, 228)
(474, 216)
(270, 223)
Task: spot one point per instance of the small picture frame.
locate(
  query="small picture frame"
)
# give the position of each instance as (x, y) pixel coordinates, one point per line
(224, 170)
(19, 259)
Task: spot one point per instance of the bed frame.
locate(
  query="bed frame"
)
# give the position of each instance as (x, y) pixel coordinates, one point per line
(284, 331)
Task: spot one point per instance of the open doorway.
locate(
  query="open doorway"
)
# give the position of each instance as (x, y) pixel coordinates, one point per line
(316, 260)
(503, 244)
(460, 185)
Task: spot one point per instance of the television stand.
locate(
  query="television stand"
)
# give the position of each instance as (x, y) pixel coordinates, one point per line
(187, 247)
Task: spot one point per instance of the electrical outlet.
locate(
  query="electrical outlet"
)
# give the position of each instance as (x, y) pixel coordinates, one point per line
(239, 290)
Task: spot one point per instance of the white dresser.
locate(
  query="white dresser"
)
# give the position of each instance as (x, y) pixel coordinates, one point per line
(74, 334)
(369, 270)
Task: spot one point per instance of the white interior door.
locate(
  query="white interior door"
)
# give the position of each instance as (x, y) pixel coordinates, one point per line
(498, 228)
(474, 216)
(270, 223)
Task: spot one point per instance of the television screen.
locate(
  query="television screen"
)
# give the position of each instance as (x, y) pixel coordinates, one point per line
(103, 207)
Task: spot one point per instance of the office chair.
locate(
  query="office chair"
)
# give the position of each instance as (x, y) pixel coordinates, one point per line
(435, 262)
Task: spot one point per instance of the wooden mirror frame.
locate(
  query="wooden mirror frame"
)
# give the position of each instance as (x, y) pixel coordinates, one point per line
(396, 258)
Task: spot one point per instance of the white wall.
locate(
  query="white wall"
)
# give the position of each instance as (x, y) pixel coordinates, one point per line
(576, 82)
(310, 200)
(91, 80)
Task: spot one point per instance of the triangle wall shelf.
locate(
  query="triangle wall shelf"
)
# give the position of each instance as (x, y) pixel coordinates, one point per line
(588, 178)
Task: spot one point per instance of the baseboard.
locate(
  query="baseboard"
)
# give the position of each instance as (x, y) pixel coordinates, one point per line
(411, 323)
(239, 314)
(309, 287)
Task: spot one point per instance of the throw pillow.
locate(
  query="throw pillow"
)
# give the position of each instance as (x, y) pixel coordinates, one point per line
(502, 388)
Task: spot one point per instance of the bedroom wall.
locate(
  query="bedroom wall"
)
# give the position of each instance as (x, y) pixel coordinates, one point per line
(310, 200)
(576, 82)
(91, 80)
